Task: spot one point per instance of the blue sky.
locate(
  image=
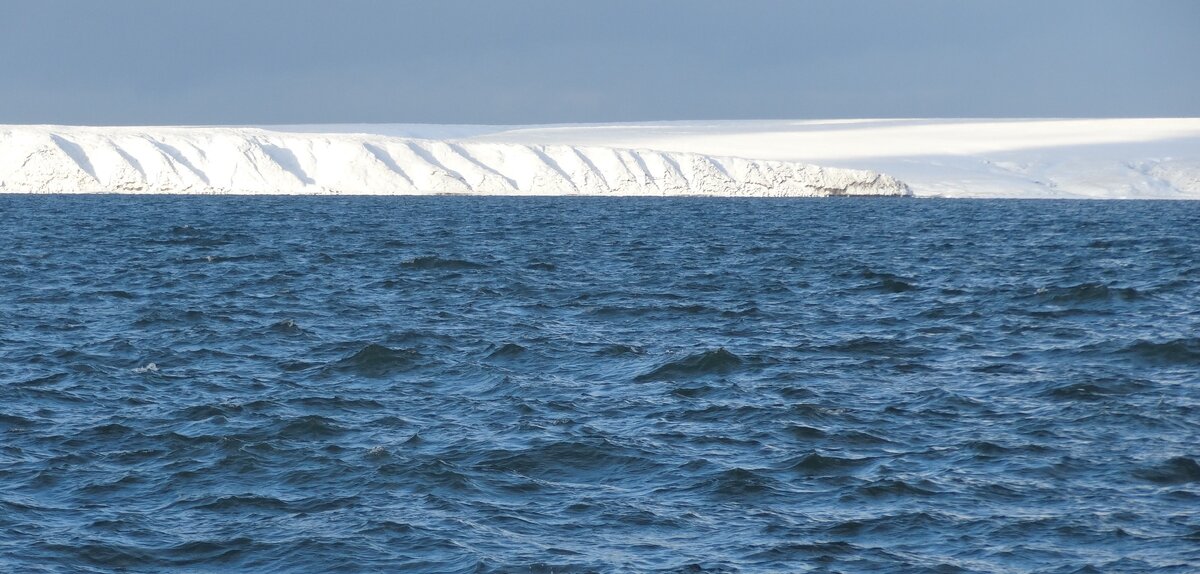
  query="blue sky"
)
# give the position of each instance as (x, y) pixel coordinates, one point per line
(537, 61)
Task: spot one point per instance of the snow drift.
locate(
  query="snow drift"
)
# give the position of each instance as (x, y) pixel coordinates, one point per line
(54, 159)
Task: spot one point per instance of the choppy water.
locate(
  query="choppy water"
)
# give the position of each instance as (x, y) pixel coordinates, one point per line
(439, 384)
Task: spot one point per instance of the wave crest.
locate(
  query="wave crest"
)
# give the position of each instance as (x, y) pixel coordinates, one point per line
(715, 362)
(377, 360)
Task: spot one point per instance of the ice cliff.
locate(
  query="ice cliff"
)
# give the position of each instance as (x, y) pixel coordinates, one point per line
(1106, 158)
(202, 160)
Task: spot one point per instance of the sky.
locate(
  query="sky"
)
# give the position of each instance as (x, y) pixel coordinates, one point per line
(131, 62)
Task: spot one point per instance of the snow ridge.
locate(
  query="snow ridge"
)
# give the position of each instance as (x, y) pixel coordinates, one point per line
(183, 160)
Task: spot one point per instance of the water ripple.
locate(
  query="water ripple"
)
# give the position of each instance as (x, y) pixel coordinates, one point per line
(442, 384)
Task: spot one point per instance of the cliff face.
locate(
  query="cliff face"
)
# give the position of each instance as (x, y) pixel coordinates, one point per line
(1104, 158)
(51, 159)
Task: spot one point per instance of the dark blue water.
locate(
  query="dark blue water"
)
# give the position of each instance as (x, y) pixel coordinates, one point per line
(204, 384)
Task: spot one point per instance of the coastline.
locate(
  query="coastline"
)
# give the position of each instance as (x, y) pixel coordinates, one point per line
(1130, 158)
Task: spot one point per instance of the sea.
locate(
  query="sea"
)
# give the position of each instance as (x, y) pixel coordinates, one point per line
(571, 384)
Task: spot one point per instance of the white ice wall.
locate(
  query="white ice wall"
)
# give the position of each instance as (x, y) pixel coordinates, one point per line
(56, 159)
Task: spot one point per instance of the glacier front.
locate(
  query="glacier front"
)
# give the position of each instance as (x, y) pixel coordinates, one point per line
(239, 160)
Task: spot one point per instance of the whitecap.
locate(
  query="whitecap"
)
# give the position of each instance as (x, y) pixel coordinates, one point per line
(148, 368)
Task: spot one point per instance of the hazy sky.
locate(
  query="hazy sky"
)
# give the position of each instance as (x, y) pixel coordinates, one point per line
(535, 61)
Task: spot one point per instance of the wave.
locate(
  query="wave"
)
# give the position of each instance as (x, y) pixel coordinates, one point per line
(887, 282)
(338, 403)
(695, 392)
(891, 487)
(575, 460)
(434, 262)
(376, 361)
(1088, 293)
(715, 362)
(308, 428)
(186, 235)
(492, 418)
(805, 432)
(1097, 389)
(507, 351)
(433, 474)
(148, 368)
(1176, 470)
(240, 503)
(742, 482)
(14, 421)
(619, 350)
(817, 464)
(820, 552)
(204, 412)
(876, 347)
(1184, 351)
(890, 524)
(286, 327)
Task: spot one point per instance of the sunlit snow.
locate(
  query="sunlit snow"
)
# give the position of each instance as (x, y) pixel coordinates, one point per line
(1071, 158)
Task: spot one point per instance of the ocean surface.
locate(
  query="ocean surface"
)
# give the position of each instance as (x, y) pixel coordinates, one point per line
(449, 384)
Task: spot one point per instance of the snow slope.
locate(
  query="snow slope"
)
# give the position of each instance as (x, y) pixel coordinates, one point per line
(1084, 158)
(335, 160)
(1088, 158)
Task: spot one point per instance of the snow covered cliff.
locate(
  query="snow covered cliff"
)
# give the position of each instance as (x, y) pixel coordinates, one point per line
(1107, 158)
(1136, 158)
(56, 159)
